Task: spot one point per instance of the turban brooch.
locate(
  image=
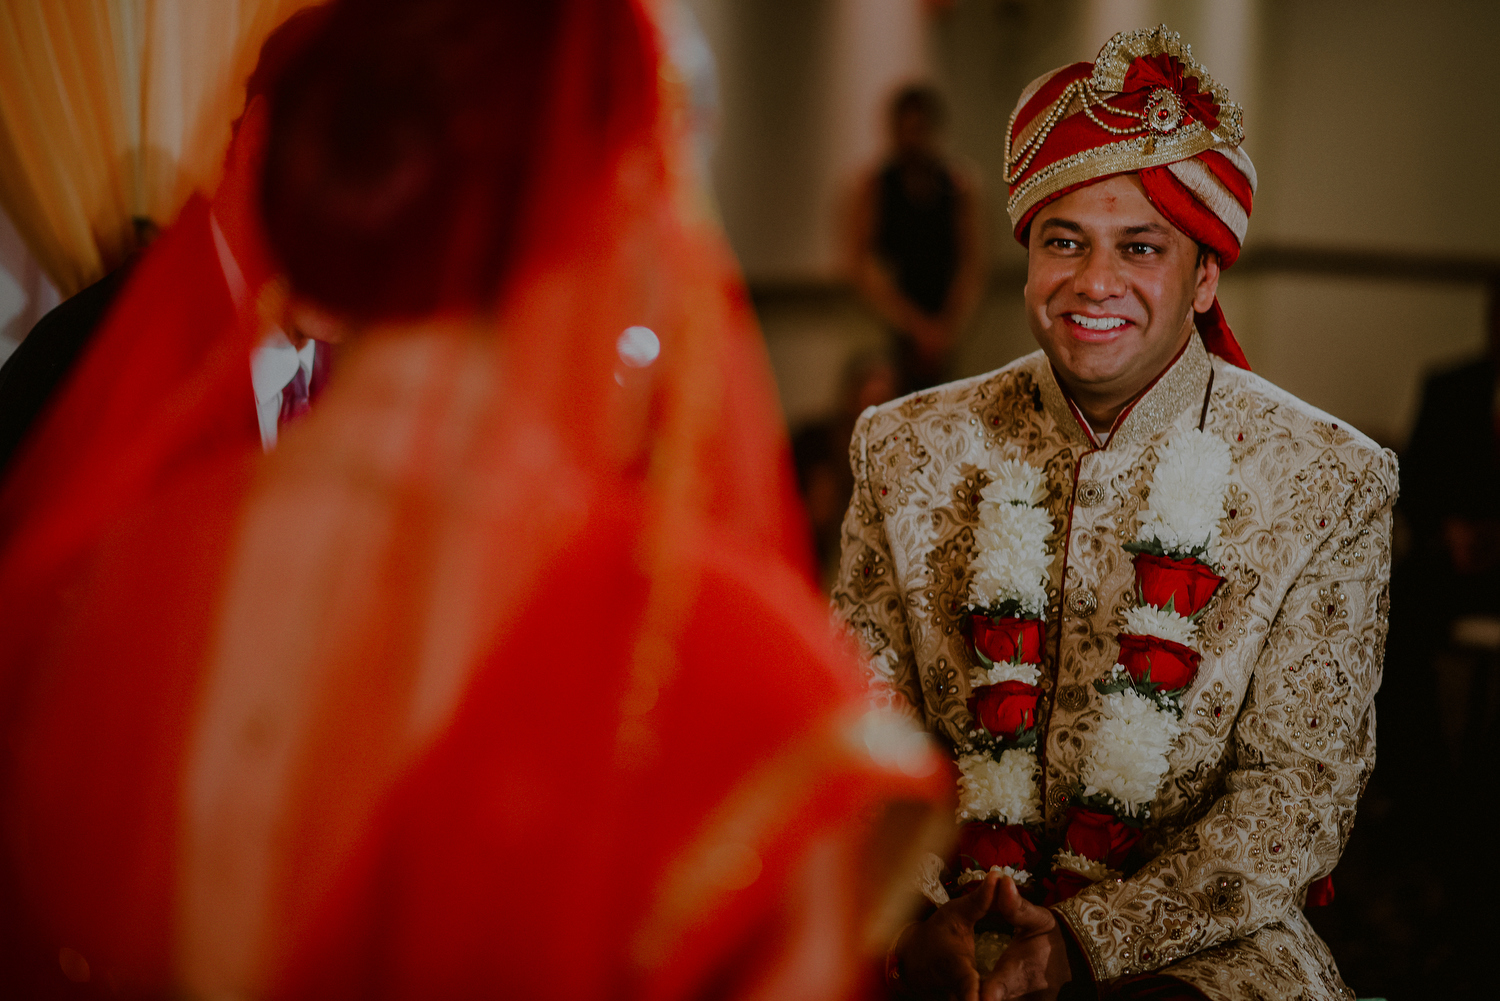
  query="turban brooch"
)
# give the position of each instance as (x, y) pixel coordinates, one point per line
(1144, 106)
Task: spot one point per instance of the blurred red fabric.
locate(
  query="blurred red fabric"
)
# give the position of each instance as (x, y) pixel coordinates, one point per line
(502, 674)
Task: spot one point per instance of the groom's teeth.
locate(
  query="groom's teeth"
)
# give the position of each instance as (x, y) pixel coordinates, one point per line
(1097, 322)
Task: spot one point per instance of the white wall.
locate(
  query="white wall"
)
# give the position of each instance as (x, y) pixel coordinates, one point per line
(802, 83)
(1381, 127)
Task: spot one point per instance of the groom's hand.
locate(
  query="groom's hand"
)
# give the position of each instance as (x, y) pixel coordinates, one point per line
(1036, 963)
(937, 955)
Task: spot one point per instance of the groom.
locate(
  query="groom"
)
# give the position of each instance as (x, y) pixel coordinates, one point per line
(1159, 697)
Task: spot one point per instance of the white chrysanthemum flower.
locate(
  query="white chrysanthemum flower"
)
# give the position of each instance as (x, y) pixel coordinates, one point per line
(1004, 790)
(1015, 482)
(1011, 562)
(1020, 528)
(1161, 623)
(1187, 493)
(1000, 673)
(994, 587)
(1083, 865)
(975, 875)
(1130, 750)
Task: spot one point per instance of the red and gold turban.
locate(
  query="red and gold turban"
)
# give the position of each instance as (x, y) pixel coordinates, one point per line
(1144, 107)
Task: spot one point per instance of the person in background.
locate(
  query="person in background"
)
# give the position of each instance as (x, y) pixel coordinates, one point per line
(914, 242)
(1450, 491)
(501, 675)
(1445, 589)
(40, 363)
(820, 451)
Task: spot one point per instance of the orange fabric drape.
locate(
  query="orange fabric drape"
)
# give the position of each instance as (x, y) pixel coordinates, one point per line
(112, 110)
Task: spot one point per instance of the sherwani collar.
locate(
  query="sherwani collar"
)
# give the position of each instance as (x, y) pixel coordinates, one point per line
(1180, 386)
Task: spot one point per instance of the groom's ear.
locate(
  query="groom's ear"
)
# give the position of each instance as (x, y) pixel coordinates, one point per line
(1207, 288)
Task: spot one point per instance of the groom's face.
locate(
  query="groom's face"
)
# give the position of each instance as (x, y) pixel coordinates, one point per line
(1111, 287)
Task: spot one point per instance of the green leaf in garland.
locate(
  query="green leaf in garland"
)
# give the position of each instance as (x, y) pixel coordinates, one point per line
(1170, 702)
(1113, 684)
(1026, 738)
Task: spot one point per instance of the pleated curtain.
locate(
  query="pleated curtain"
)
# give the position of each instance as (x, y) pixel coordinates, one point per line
(112, 112)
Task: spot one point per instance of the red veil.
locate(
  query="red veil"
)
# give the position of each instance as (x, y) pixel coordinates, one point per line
(502, 675)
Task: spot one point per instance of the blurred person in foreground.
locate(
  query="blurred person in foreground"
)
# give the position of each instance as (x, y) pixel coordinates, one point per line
(502, 674)
(1139, 592)
(914, 241)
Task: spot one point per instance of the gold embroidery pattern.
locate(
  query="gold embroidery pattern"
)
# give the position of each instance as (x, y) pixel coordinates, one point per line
(894, 463)
(1216, 708)
(1223, 621)
(1073, 698)
(1244, 422)
(1179, 392)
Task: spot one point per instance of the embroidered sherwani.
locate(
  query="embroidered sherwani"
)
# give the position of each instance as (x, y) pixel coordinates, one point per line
(1279, 734)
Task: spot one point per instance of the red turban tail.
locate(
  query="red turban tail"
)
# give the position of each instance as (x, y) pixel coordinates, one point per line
(1173, 200)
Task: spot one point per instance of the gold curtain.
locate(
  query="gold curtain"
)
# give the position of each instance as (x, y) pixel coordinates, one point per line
(114, 110)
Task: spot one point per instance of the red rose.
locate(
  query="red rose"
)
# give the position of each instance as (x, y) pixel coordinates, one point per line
(1009, 640)
(1007, 709)
(1100, 837)
(1063, 884)
(1170, 666)
(981, 846)
(1187, 584)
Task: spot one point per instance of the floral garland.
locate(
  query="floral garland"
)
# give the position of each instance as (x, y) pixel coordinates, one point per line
(1175, 559)
(999, 789)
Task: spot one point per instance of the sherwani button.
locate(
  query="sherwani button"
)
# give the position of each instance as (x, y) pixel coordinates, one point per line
(1082, 602)
(1090, 493)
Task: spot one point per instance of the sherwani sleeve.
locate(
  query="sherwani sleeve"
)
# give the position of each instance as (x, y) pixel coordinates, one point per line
(867, 596)
(1303, 746)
